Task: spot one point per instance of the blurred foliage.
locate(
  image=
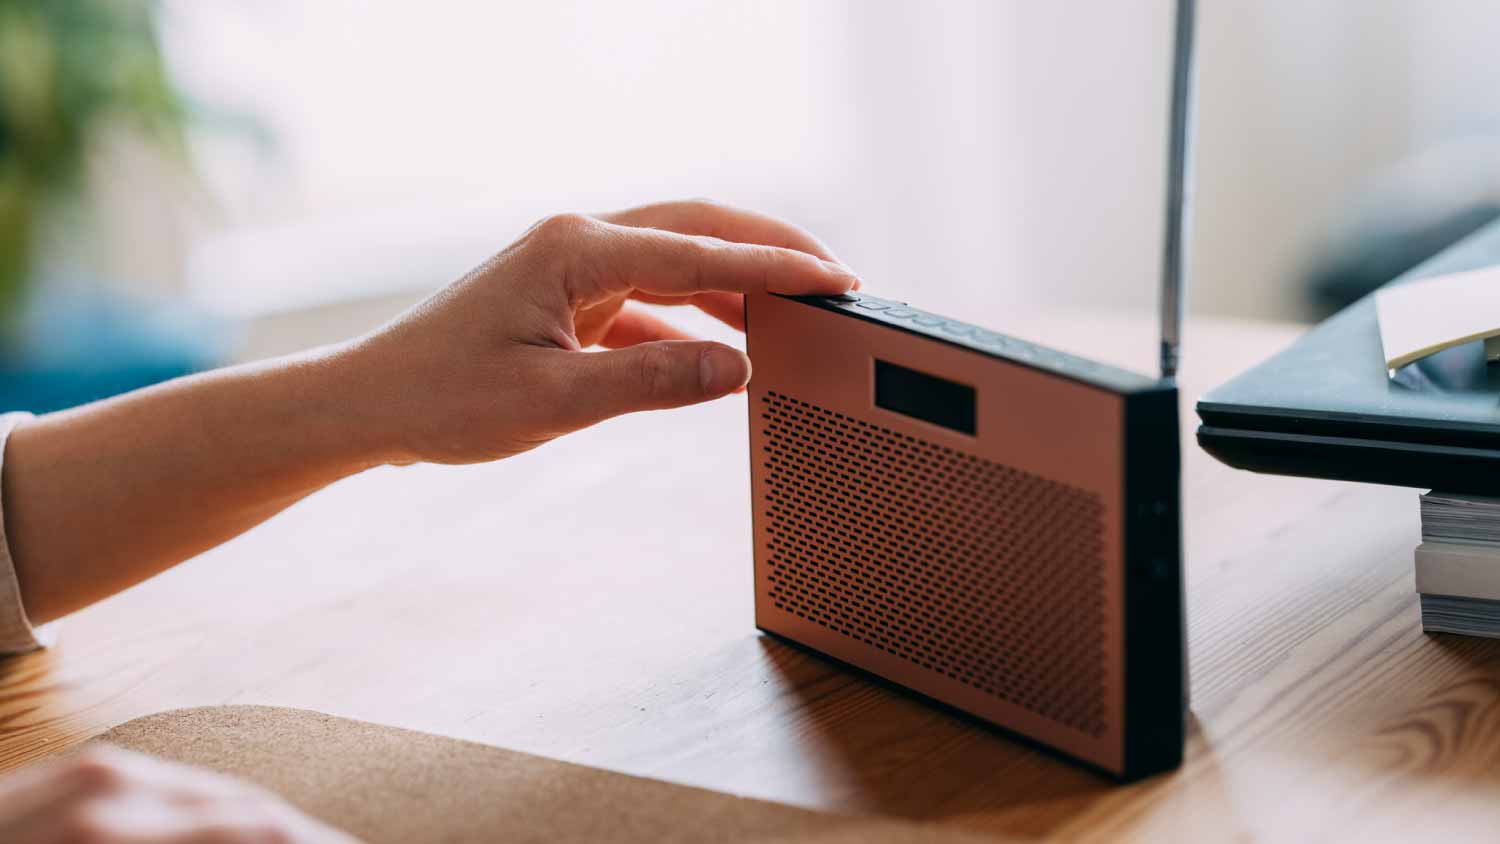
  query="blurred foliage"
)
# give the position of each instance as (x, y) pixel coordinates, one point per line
(69, 69)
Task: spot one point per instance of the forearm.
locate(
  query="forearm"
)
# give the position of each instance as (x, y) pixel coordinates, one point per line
(104, 496)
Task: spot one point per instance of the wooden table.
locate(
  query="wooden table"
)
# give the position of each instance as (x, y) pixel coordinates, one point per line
(592, 601)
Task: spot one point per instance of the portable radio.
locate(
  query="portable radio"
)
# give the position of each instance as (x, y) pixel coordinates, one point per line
(984, 521)
(989, 523)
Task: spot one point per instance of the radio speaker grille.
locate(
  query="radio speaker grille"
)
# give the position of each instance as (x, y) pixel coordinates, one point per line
(986, 574)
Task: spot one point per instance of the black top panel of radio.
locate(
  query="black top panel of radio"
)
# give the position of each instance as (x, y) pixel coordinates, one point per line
(902, 316)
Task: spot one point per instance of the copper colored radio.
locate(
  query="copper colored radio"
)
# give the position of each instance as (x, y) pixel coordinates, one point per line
(986, 522)
(989, 523)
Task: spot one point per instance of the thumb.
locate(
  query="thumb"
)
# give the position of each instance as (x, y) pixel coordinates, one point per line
(653, 376)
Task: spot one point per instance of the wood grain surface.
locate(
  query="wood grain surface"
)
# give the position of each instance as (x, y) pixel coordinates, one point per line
(591, 602)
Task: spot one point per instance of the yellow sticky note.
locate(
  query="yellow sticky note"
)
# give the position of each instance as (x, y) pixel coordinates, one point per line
(1424, 317)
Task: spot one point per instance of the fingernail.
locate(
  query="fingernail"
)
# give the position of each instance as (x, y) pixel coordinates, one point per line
(841, 270)
(722, 370)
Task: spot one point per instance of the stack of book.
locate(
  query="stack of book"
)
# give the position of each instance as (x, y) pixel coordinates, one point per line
(1458, 564)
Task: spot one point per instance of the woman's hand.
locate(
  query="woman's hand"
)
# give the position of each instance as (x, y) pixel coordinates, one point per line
(493, 364)
(108, 796)
(103, 496)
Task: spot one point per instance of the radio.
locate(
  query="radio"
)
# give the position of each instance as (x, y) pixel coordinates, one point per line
(981, 520)
(989, 523)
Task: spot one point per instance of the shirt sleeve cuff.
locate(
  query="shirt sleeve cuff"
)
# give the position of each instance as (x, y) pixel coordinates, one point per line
(16, 633)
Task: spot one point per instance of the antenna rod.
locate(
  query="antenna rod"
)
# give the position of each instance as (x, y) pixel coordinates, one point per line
(1174, 265)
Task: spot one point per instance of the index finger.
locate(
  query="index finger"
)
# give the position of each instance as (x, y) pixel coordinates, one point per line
(617, 259)
(726, 222)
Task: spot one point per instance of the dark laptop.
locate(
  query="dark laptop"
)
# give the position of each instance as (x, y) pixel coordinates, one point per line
(1326, 408)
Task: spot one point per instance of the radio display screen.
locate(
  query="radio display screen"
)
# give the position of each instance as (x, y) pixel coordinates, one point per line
(925, 397)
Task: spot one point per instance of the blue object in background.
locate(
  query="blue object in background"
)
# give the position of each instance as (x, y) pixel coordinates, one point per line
(75, 346)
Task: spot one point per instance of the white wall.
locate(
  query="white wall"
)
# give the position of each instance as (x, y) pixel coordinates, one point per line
(1304, 105)
(956, 153)
(965, 155)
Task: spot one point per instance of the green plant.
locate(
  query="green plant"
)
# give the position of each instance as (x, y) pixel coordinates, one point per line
(70, 69)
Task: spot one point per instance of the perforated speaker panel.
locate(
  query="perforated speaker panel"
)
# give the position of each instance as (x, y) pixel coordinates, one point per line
(983, 573)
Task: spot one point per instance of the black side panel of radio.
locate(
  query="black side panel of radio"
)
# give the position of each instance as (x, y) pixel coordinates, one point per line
(1155, 626)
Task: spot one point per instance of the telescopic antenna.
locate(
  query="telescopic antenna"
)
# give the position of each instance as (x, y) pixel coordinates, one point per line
(1174, 265)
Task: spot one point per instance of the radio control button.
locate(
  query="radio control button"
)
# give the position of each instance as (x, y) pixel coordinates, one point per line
(843, 297)
(928, 321)
(958, 329)
(900, 313)
(872, 305)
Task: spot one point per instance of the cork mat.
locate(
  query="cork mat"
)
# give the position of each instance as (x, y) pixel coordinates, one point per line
(391, 786)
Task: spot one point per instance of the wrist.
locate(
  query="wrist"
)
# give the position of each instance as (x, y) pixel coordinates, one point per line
(343, 408)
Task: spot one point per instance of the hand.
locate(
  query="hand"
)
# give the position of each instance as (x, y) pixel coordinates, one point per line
(103, 496)
(108, 796)
(493, 364)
